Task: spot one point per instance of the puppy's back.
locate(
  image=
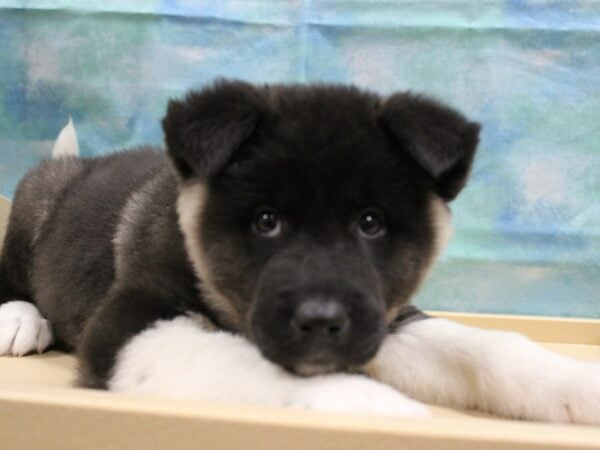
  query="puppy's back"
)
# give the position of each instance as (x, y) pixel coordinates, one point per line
(58, 248)
(35, 198)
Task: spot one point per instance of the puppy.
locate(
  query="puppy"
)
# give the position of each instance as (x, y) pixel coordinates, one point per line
(269, 257)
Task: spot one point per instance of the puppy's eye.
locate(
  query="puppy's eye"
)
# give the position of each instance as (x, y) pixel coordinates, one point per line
(371, 224)
(266, 223)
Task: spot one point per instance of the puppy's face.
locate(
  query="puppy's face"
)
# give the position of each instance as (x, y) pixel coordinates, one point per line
(311, 214)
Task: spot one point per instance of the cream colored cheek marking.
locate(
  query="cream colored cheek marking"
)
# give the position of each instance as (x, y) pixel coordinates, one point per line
(190, 204)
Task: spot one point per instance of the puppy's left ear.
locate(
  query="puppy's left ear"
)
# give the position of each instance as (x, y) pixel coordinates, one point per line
(442, 141)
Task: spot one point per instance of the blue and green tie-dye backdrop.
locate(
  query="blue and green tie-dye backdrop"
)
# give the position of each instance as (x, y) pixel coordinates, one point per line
(527, 228)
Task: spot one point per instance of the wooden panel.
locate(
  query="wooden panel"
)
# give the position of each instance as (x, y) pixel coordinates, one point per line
(64, 419)
(541, 329)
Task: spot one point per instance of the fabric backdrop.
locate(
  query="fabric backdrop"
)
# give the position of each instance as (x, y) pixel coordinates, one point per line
(527, 234)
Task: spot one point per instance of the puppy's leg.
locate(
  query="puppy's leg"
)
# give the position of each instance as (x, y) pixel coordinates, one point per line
(445, 363)
(179, 358)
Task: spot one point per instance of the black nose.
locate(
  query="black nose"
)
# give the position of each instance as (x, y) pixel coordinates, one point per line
(320, 319)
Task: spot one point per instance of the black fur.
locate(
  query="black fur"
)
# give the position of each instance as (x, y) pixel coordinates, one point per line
(318, 155)
(441, 140)
(208, 126)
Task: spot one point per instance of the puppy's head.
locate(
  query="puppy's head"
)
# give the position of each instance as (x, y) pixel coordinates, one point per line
(312, 213)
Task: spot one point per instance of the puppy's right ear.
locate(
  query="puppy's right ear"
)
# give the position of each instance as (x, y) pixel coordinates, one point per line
(441, 140)
(203, 130)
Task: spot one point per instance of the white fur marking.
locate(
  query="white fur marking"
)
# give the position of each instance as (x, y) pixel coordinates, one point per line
(441, 362)
(178, 359)
(442, 223)
(66, 143)
(22, 329)
(357, 394)
(189, 208)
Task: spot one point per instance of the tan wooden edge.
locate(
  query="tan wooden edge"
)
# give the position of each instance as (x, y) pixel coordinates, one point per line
(538, 328)
(104, 416)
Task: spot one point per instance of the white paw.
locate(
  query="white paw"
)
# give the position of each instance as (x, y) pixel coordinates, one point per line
(559, 390)
(581, 395)
(355, 394)
(22, 329)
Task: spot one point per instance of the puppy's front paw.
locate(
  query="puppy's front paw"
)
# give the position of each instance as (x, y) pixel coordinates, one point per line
(566, 391)
(356, 394)
(581, 395)
(22, 329)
